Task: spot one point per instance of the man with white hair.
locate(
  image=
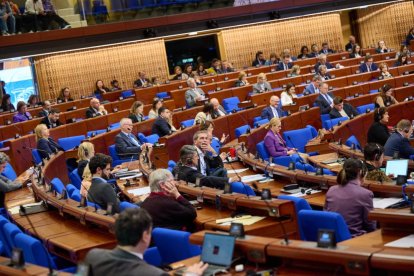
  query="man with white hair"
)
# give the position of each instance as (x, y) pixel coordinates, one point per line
(126, 144)
(193, 94)
(95, 109)
(218, 110)
(165, 204)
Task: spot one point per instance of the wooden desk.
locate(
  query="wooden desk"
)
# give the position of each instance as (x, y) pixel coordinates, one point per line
(318, 159)
(28, 269)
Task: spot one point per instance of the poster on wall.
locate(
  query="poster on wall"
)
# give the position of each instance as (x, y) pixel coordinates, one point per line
(18, 77)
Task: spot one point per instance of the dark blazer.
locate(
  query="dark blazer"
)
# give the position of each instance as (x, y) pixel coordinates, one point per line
(363, 67)
(161, 127)
(212, 163)
(167, 212)
(139, 82)
(304, 56)
(63, 100)
(396, 142)
(46, 121)
(119, 262)
(280, 66)
(135, 118)
(352, 55)
(43, 113)
(329, 51)
(91, 113)
(267, 113)
(216, 114)
(125, 147)
(408, 39)
(258, 62)
(324, 106)
(190, 175)
(310, 89)
(379, 50)
(46, 147)
(378, 133)
(327, 64)
(327, 76)
(81, 167)
(349, 110)
(348, 46)
(239, 83)
(102, 193)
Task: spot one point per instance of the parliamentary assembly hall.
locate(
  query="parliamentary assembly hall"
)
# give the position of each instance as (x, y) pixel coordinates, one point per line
(206, 137)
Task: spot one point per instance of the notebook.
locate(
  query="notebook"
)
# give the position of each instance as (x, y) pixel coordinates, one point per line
(217, 252)
(396, 167)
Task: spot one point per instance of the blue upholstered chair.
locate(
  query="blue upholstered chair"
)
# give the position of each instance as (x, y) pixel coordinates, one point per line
(174, 245)
(9, 172)
(57, 185)
(75, 178)
(127, 94)
(353, 140)
(261, 122)
(298, 138)
(264, 154)
(116, 160)
(231, 104)
(125, 205)
(36, 157)
(241, 130)
(152, 256)
(10, 230)
(187, 123)
(329, 124)
(300, 204)
(241, 188)
(363, 108)
(311, 221)
(68, 143)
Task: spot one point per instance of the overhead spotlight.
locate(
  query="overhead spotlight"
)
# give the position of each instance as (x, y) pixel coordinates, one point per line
(274, 15)
(212, 24)
(149, 32)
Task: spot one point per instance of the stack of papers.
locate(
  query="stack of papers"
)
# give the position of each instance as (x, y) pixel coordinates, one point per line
(406, 242)
(254, 177)
(245, 220)
(382, 203)
(300, 194)
(140, 191)
(131, 176)
(237, 171)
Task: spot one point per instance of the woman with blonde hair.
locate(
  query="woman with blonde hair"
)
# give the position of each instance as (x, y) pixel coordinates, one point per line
(242, 79)
(86, 151)
(46, 146)
(295, 70)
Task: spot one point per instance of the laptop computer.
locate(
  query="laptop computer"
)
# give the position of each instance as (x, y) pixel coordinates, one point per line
(217, 252)
(396, 167)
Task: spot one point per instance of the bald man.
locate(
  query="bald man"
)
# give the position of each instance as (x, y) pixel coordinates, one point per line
(218, 109)
(95, 109)
(273, 110)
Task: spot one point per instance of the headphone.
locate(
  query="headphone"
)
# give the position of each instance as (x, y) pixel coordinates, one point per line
(378, 153)
(364, 169)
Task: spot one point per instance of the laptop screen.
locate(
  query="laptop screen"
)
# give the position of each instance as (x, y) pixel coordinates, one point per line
(397, 167)
(218, 249)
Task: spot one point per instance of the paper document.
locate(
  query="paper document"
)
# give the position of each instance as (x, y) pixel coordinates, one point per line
(140, 191)
(131, 176)
(406, 242)
(245, 220)
(255, 177)
(382, 203)
(237, 171)
(300, 194)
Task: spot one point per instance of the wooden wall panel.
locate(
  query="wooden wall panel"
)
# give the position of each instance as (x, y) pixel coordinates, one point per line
(241, 44)
(79, 70)
(385, 22)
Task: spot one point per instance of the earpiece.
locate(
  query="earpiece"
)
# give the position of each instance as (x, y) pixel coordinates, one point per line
(378, 153)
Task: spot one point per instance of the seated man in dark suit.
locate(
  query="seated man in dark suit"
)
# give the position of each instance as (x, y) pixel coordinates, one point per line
(162, 125)
(325, 49)
(273, 110)
(368, 65)
(218, 110)
(133, 230)
(259, 60)
(398, 141)
(46, 106)
(95, 109)
(52, 119)
(210, 163)
(313, 87)
(142, 81)
(285, 64)
(322, 60)
(325, 99)
(126, 144)
(341, 109)
(100, 191)
(350, 44)
(187, 170)
(165, 204)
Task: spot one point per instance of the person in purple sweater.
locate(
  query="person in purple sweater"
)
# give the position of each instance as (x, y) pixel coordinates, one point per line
(274, 142)
(350, 199)
(22, 114)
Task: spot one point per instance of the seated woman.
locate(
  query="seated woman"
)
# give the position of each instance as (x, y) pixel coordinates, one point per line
(323, 72)
(179, 75)
(200, 70)
(378, 132)
(273, 59)
(156, 104)
(33, 101)
(45, 145)
(304, 52)
(295, 71)
(288, 95)
(385, 97)
(242, 79)
(22, 114)
(374, 157)
(382, 48)
(188, 69)
(6, 104)
(64, 95)
(314, 51)
(383, 67)
(115, 85)
(136, 113)
(86, 151)
(100, 89)
(209, 127)
(274, 142)
(356, 51)
(6, 185)
(351, 200)
(205, 114)
(186, 170)
(403, 51)
(401, 60)
(262, 85)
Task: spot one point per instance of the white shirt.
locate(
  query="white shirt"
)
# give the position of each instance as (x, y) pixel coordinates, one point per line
(286, 99)
(343, 113)
(274, 110)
